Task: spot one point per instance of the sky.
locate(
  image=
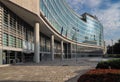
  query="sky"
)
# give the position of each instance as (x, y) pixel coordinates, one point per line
(107, 11)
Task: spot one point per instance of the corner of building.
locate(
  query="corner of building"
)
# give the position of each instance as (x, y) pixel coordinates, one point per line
(30, 5)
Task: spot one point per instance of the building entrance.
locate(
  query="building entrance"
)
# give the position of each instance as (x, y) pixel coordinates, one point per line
(11, 57)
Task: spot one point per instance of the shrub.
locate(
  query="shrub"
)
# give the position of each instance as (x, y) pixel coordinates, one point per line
(113, 64)
(114, 55)
(101, 75)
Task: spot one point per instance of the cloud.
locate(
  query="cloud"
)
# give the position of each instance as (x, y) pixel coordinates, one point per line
(107, 11)
(91, 3)
(75, 4)
(110, 18)
(79, 4)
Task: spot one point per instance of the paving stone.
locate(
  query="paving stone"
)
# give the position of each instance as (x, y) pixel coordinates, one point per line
(46, 71)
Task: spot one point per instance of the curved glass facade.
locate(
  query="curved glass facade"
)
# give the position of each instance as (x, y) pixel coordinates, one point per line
(84, 29)
(23, 37)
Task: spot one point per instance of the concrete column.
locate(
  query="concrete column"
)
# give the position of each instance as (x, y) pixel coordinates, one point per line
(8, 60)
(1, 59)
(23, 57)
(36, 43)
(52, 46)
(62, 50)
(16, 57)
(71, 50)
(67, 51)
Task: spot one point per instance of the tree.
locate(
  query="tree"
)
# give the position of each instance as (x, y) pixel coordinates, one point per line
(116, 48)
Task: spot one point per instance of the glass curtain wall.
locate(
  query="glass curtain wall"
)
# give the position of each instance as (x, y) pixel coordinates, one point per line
(70, 25)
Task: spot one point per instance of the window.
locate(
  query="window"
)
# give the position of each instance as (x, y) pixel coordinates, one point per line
(12, 41)
(5, 39)
(5, 19)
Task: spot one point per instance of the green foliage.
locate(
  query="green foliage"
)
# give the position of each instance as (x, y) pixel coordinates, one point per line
(113, 64)
(114, 55)
(114, 49)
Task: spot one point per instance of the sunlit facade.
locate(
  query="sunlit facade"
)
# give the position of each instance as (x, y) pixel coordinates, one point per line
(70, 25)
(43, 30)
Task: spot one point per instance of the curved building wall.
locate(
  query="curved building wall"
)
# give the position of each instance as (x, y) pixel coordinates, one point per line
(62, 33)
(83, 29)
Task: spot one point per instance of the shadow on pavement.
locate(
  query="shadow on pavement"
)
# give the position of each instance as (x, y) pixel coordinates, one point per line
(79, 62)
(80, 72)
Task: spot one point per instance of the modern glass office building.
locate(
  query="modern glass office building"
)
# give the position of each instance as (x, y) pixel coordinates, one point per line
(41, 30)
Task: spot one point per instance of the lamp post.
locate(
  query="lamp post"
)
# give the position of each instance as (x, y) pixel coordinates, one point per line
(76, 30)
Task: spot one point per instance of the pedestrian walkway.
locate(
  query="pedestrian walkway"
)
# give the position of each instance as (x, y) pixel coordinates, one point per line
(5, 65)
(47, 71)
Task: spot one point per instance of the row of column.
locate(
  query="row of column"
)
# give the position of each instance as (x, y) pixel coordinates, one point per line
(37, 43)
(37, 47)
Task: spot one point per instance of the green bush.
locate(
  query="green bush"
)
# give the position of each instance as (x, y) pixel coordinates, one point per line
(114, 55)
(113, 64)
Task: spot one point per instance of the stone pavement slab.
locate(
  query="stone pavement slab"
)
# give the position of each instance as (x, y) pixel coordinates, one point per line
(46, 71)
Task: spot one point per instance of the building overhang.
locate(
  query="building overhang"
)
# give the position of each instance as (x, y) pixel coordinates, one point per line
(23, 13)
(26, 15)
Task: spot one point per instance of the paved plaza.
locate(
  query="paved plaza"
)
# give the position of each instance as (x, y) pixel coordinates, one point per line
(48, 71)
